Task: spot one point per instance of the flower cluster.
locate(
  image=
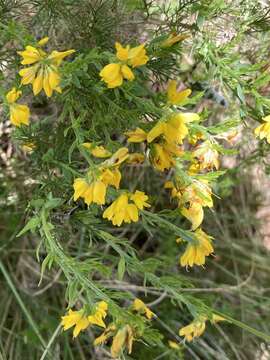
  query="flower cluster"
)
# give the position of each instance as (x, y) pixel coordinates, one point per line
(93, 187)
(165, 143)
(113, 74)
(197, 327)
(122, 333)
(42, 74)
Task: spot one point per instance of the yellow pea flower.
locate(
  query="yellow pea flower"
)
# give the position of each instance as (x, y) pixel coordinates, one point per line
(113, 74)
(122, 52)
(136, 136)
(174, 129)
(44, 74)
(176, 97)
(108, 332)
(197, 327)
(194, 168)
(43, 41)
(156, 131)
(19, 114)
(56, 57)
(29, 147)
(81, 321)
(137, 56)
(136, 158)
(117, 158)
(163, 155)
(174, 39)
(161, 158)
(97, 151)
(123, 338)
(174, 192)
(111, 177)
(195, 137)
(195, 253)
(216, 318)
(173, 345)
(100, 313)
(122, 211)
(77, 319)
(94, 192)
(139, 198)
(139, 305)
(207, 156)
(31, 55)
(263, 130)
(194, 214)
(132, 56)
(199, 192)
(193, 330)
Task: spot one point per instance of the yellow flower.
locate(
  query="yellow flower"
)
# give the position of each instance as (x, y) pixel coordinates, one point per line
(81, 321)
(216, 318)
(99, 314)
(43, 41)
(94, 192)
(174, 192)
(207, 155)
(136, 136)
(194, 168)
(117, 158)
(263, 130)
(174, 129)
(173, 39)
(173, 345)
(44, 74)
(113, 74)
(194, 137)
(132, 56)
(97, 151)
(108, 332)
(156, 131)
(196, 252)
(123, 338)
(122, 211)
(193, 330)
(161, 159)
(139, 305)
(31, 55)
(111, 177)
(77, 319)
(19, 114)
(197, 192)
(194, 214)
(176, 97)
(136, 158)
(29, 147)
(163, 155)
(137, 56)
(139, 198)
(122, 52)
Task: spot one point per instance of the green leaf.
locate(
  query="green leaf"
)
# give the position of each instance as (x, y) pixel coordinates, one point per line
(240, 93)
(121, 268)
(31, 225)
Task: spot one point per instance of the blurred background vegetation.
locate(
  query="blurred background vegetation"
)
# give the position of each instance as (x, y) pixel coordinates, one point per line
(225, 61)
